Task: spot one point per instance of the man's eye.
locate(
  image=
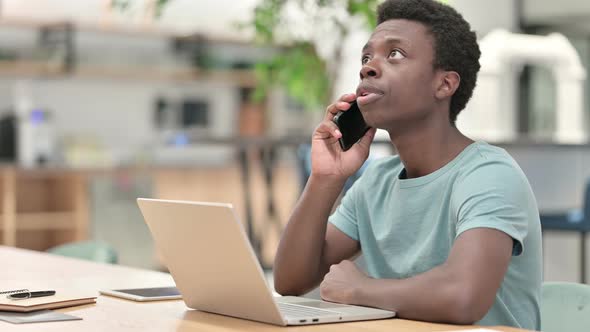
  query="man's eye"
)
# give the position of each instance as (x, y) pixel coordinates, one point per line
(396, 54)
(365, 59)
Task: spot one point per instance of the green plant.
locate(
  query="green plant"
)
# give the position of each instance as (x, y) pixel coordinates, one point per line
(298, 67)
(123, 5)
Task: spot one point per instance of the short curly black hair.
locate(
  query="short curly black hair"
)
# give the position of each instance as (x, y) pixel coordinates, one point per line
(455, 45)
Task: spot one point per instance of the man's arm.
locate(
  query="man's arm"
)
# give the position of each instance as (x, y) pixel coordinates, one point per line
(460, 291)
(308, 247)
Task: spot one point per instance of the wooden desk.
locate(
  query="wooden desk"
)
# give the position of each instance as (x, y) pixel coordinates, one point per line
(22, 267)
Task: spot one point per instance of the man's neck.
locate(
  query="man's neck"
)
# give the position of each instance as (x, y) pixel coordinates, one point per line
(428, 146)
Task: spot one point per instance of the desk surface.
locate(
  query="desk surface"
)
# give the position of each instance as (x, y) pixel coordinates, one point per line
(23, 267)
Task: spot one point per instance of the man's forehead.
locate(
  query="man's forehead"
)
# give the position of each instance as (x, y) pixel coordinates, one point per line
(401, 30)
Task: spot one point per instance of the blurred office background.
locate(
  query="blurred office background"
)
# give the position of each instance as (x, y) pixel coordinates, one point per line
(104, 101)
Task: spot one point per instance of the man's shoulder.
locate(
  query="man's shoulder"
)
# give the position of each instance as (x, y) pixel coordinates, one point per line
(489, 160)
(491, 167)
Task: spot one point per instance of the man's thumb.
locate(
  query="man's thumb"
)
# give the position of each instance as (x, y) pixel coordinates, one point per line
(367, 139)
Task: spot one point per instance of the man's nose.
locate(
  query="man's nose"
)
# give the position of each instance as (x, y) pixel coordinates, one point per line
(370, 69)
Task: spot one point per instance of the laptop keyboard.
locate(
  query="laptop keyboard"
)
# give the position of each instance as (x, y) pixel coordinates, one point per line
(297, 311)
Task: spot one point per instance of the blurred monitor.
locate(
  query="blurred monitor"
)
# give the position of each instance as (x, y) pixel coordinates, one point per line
(194, 113)
(8, 133)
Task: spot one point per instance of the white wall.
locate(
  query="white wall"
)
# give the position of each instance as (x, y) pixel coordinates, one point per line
(542, 10)
(485, 15)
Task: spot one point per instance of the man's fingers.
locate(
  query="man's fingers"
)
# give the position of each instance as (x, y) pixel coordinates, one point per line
(341, 104)
(327, 129)
(336, 107)
(349, 97)
(324, 294)
(346, 262)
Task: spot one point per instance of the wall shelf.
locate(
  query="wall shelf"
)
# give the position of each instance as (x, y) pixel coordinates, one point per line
(238, 77)
(59, 45)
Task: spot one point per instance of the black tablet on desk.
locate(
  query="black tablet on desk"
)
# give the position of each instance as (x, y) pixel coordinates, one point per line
(145, 294)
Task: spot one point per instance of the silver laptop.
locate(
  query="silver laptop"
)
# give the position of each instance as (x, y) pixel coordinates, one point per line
(214, 267)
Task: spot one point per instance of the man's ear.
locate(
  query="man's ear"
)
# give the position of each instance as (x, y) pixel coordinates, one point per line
(448, 83)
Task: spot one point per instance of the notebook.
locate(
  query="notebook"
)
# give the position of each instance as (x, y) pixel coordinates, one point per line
(40, 316)
(61, 299)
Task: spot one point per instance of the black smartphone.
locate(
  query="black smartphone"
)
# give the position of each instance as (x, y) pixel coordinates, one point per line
(352, 126)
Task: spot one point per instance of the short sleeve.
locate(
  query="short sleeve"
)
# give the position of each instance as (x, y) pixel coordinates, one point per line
(345, 217)
(495, 194)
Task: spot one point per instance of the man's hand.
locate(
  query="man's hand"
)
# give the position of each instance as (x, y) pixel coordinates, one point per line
(327, 157)
(342, 283)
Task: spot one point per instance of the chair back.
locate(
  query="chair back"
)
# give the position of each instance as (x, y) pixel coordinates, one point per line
(565, 307)
(88, 250)
(586, 203)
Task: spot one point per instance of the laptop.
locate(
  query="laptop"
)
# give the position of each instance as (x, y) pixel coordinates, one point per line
(215, 269)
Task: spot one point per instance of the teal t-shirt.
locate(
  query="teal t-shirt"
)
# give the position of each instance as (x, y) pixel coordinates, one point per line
(407, 226)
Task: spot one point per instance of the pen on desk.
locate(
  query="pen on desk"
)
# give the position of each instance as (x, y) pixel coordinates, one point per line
(29, 295)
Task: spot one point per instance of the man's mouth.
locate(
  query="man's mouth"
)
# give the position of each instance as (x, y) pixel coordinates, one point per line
(367, 95)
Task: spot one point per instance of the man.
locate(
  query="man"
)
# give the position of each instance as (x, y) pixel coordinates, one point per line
(449, 228)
